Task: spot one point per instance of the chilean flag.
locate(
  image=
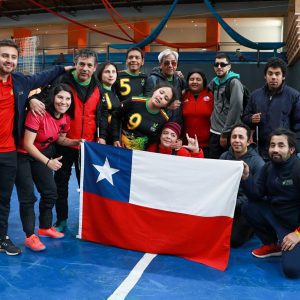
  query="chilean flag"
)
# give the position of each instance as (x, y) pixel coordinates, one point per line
(158, 203)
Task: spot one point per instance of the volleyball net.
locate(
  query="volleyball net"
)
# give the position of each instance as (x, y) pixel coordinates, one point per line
(28, 57)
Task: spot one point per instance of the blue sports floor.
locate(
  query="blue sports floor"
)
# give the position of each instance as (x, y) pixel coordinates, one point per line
(75, 269)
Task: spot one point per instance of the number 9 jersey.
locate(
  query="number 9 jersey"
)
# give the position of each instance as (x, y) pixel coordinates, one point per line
(139, 125)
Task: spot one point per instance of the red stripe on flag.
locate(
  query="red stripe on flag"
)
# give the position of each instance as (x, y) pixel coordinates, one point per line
(202, 239)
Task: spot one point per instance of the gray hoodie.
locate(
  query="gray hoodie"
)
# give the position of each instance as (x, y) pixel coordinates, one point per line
(226, 112)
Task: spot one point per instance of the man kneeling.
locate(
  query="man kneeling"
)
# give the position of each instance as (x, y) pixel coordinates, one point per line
(275, 212)
(242, 149)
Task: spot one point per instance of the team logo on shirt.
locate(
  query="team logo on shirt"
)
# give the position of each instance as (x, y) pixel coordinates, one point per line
(154, 126)
(206, 98)
(143, 82)
(62, 127)
(287, 182)
(46, 142)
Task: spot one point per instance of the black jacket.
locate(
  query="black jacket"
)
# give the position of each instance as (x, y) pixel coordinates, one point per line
(255, 163)
(279, 184)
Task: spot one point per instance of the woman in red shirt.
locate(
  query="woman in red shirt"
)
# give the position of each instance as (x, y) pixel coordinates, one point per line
(168, 138)
(36, 164)
(197, 108)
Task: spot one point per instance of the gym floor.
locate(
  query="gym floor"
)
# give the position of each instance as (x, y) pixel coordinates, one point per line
(74, 269)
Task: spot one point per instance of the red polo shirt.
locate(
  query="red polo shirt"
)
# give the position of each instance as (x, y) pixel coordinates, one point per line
(47, 129)
(7, 114)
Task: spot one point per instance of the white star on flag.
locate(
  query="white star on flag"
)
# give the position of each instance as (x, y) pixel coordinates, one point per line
(106, 172)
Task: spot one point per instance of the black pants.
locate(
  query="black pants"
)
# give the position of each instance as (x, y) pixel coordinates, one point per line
(215, 149)
(62, 177)
(270, 230)
(241, 230)
(32, 171)
(8, 170)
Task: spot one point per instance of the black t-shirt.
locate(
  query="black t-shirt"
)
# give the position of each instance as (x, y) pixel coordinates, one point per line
(130, 85)
(140, 126)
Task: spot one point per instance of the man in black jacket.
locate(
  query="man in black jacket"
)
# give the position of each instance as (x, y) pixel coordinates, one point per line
(241, 149)
(274, 209)
(275, 105)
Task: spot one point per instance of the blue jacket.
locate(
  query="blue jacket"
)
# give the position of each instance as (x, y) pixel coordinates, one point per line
(278, 183)
(22, 85)
(255, 163)
(281, 110)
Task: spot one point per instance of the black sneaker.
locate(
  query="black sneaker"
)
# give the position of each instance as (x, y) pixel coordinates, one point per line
(6, 245)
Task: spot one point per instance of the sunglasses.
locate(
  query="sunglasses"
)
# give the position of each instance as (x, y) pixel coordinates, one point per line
(221, 64)
(170, 62)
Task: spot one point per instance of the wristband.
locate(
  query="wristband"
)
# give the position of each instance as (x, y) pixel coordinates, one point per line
(48, 162)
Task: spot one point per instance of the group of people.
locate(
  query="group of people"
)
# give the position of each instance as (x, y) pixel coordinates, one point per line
(161, 113)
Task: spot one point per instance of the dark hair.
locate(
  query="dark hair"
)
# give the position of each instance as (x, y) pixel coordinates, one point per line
(166, 84)
(9, 43)
(223, 55)
(53, 92)
(101, 68)
(201, 73)
(135, 49)
(275, 62)
(86, 53)
(242, 125)
(291, 137)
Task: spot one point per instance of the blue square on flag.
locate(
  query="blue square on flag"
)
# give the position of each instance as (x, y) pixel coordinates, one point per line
(107, 171)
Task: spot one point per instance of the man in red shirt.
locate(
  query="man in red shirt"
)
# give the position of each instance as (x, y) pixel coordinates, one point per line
(14, 90)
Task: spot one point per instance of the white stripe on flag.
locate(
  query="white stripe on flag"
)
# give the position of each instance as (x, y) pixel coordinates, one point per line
(81, 190)
(200, 187)
(130, 281)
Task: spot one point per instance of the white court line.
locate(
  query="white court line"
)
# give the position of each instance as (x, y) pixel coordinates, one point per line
(133, 277)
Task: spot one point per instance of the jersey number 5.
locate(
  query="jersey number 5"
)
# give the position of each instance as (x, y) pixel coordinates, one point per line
(124, 84)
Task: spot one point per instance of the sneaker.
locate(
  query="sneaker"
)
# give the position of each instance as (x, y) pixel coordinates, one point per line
(50, 232)
(267, 251)
(33, 243)
(6, 245)
(60, 226)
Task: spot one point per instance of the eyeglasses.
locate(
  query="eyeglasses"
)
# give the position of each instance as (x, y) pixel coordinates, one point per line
(221, 64)
(170, 62)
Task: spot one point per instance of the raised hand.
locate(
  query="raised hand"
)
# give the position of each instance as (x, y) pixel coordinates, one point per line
(192, 145)
(246, 171)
